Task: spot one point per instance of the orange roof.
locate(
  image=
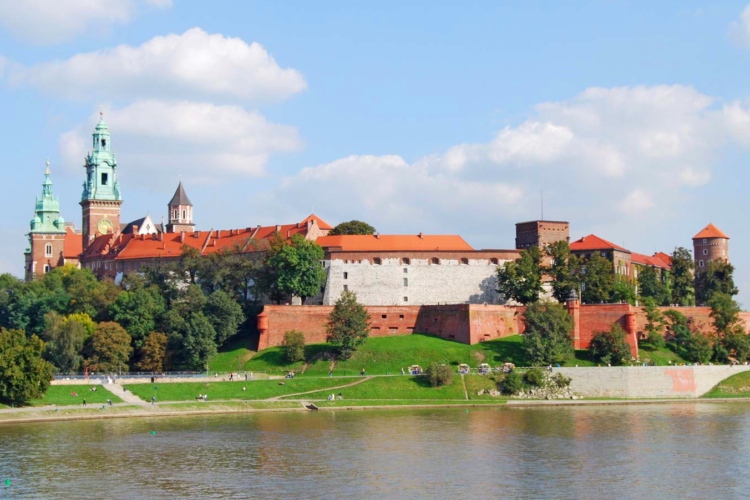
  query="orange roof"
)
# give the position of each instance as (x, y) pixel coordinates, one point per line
(655, 260)
(395, 242)
(73, 244)
(710, 231)
(320, 222)
(593, 242)
(664, 257)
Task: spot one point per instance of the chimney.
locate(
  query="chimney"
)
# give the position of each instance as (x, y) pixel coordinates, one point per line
(377, 235)
(182, 236)
(135, 229)
(421, 236)
(218, 234)
(196, 234)
(161, 236)
(278, 228)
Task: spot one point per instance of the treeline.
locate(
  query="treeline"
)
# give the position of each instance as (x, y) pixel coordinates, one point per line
(595, 281)
(170, 316)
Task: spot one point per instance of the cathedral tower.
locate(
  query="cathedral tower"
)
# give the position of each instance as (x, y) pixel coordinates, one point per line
(180, 212)
(47, 235)
(101, 197)
(710, 244)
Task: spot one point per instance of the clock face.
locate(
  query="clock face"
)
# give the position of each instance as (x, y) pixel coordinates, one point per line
(104, 226)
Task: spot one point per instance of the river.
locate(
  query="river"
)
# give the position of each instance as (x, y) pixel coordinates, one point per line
(694, 450)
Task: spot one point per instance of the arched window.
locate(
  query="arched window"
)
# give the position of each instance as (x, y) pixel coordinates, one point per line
(494, 262)
(377, 261)
(405, 261)
(435, 260)
(183, 215)
(465, 261)
(48, 250)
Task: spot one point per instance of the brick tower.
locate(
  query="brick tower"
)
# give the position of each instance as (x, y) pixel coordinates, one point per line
(711, 243)
(47, 235)
(180, 212)
(101, 199)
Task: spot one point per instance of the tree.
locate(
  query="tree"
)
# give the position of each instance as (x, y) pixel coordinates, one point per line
(153, 353)
(297, 267)
(225, 314)
(138, 311)
(352, 227)
(725, 313)
(598, 279)
(623, 291)
(651, 285)
(546, 338)
(294, 346)
(348, 324)
(611, 346)
(717, 278)
(64, 341)
(24, 375)
(198, 342)
(439, 374)
(655, 323)
(521, 280)
(109, 348)
(563, 270)
(683, 287)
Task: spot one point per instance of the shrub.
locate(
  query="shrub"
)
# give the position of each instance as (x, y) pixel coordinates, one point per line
(294, 346)
(547, 339)
(512, 383)
(439, 374)
(561, 380)
(610, 347)
(534, 377)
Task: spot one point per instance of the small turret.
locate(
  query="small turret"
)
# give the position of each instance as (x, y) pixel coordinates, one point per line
(180, 212)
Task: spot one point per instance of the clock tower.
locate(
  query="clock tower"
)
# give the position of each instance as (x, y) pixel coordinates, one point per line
(101, 197)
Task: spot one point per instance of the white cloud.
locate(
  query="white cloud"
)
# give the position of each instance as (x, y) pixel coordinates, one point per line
(194, 65)
(204, 142)
(740, 30)
(636, 201)
(53, 21)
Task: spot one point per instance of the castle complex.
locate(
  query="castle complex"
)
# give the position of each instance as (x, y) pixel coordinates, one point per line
(383, 270)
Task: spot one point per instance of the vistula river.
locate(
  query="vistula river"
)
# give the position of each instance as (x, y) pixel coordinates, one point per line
(694, 450)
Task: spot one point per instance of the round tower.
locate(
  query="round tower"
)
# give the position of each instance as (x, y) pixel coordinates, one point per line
(711, 243)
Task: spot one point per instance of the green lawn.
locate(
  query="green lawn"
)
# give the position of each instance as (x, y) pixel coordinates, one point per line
(62, 395)
(736, 386)
(233, 355)
(256, 389)
(661, 356)
(397, 387)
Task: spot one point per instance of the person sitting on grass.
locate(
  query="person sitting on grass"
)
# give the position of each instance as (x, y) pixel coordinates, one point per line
(74, 394)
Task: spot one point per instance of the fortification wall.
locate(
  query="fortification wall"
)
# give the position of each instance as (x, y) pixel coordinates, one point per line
(647, 381)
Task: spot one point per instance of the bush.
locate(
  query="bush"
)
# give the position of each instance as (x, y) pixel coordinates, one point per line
(294, 346)
(534, 377)
(610, 347)
(439, 374)
(512, 383)
(561, 380)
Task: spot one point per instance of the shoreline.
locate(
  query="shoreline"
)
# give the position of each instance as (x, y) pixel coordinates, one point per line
(142, 412)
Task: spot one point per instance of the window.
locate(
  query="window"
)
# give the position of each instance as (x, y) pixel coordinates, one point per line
(400, 316)
(700, 263)
(48, 250)
(406, 281)
(105, 178)
(705, 241)
(183, 215)
(406, 270)
(406, 299)
(377, 261)
(494, 262)
(346, 275)
(705, 251)
(346, 288)
(405, 261)
(104, 143)
(384, 316)
(46, 268)
(435, 260)
(465, 261)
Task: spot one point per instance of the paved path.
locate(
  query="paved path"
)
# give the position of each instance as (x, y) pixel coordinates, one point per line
(359, 381)
(126, 396)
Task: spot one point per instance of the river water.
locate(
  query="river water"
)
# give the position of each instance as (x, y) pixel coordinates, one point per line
(643, 451)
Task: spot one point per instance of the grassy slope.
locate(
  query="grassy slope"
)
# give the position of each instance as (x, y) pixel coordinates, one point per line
(736, 386)
(233, 355)
(60, 395)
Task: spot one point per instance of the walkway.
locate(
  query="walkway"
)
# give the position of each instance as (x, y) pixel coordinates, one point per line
(359, 381)
(126, 396)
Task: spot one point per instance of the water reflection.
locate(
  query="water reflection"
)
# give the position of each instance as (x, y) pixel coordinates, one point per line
(686, 450)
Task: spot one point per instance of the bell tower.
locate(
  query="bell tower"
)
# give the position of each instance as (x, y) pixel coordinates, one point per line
(101, 199)
(180, 212)
(47, 235)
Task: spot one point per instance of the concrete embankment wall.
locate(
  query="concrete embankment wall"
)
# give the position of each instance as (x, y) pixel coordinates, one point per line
(648, 381)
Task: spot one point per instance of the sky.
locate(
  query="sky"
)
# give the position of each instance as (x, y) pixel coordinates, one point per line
(631, 119)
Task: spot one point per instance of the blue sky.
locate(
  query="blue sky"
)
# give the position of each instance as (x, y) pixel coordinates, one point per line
(436, 117)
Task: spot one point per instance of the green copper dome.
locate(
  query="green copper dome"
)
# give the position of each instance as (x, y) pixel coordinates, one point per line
(47, 210)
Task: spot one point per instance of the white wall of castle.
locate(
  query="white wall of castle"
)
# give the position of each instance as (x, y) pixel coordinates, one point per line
(449, 282)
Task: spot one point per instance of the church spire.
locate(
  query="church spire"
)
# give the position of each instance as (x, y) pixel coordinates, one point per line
(47, 217)
(180, 211)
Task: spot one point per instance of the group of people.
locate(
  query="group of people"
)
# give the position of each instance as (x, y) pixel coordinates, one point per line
(202, 397)
(331, 397)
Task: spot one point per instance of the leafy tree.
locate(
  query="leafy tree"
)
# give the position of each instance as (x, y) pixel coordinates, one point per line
(598, 279)
(190, 263)
(563, 269)
(534, 377)
(439, 374)
(623, 291)
(686, 340)
(24, 375)
(651, 286)
(294, 346)
(153, 353)
(717, 278)
(87, 293)
(655, 324)
(352, 227)
(297, 267)
(109, 348)
(225, 314)
(683, 287)
(64, 341)
(725, 313)
(546, 338)
(521, 280)
(138, 311)
(198, 341)
(610, 347)
(512, 383)
(84, 320)
(165, 276)
(698, 348)
(348, 324)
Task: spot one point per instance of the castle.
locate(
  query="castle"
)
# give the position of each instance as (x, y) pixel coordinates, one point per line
(384, 270)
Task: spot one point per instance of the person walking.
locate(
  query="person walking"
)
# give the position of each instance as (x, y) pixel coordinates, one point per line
(153, 400)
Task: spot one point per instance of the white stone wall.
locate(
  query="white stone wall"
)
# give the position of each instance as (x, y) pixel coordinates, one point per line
(449, 282)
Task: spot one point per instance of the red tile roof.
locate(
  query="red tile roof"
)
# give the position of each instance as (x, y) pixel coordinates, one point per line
(710, 231)
(655, 260)
(73, 244)
(593, 242)
(321, 223)
(395, 242)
